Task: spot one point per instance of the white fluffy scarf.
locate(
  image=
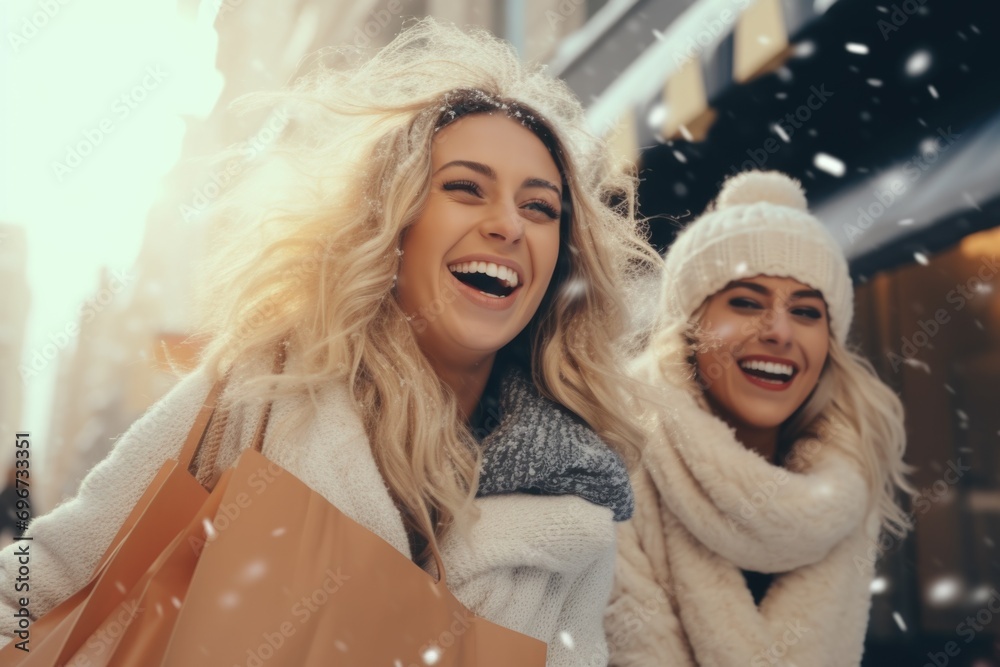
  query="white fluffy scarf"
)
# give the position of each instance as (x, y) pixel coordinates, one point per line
(706, 508)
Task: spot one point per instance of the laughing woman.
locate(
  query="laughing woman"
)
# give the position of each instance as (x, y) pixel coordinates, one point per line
(434, 238)
(766, 482)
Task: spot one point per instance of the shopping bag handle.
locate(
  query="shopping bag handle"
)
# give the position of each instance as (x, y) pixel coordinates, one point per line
(212, 430)
(200, 427)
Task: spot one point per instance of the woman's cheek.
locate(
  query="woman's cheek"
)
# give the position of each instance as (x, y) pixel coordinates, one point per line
(725, 336)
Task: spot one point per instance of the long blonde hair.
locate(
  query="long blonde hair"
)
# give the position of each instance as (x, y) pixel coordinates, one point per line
(307, 249)
(848, 392)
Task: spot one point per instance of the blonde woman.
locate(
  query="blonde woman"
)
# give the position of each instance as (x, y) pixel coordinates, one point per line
(776, 462)
(433, 237)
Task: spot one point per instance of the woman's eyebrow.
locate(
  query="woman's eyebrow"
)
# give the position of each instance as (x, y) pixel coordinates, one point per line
(807, 294)
(479, 167)
(488, 172)
(541, 183)
(761, 289)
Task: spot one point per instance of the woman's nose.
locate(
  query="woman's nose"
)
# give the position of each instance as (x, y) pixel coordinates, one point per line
(775, 326)
(504, 224)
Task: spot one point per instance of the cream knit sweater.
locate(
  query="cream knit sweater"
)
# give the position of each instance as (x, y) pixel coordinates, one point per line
(540, 565)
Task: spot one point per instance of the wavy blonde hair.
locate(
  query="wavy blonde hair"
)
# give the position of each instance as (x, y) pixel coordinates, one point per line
(848, 392)
(307, 250)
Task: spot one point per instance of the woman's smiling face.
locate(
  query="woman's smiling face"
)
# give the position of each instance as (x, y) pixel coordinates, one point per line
(764, 342)
(479, 258)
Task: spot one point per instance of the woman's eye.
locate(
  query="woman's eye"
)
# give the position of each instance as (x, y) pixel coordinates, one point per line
(544, 207)
(742, 302)
(811, 313)
(467, 186)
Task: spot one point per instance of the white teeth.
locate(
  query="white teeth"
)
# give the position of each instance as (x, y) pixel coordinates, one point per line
(504, 273)
(768, 367)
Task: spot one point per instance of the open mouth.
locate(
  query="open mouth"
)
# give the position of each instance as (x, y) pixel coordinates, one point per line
(489, 279)
(768, 372)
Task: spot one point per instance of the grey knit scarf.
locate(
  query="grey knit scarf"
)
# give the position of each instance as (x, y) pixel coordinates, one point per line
(540, 447)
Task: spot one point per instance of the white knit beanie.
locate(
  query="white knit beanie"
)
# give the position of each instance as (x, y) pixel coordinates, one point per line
(759, 225)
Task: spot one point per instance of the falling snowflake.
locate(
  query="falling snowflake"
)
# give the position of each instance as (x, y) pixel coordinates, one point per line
(804, 49)
(919, 365)
(921, 258)
(854, 47)
(933, 91)
(254, 570)
(431, 656)
(899, 621)
(229, 600)
(879, 585)
(944, 590)
(918, 62)
(829, 164)
(567, 639)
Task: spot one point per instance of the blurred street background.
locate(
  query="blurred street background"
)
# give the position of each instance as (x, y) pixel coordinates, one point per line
(887, 111)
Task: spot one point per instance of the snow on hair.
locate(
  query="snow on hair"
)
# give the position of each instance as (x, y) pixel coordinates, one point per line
(304, 246)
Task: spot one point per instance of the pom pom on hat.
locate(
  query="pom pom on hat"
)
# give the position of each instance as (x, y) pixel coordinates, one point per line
(753, 187)
(760, 225)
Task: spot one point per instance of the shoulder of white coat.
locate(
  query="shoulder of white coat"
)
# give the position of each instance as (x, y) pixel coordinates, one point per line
(561, 534)
(330, 453)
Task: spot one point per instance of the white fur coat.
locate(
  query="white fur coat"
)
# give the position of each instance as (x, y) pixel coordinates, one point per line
(707, 508)
(540, 565)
